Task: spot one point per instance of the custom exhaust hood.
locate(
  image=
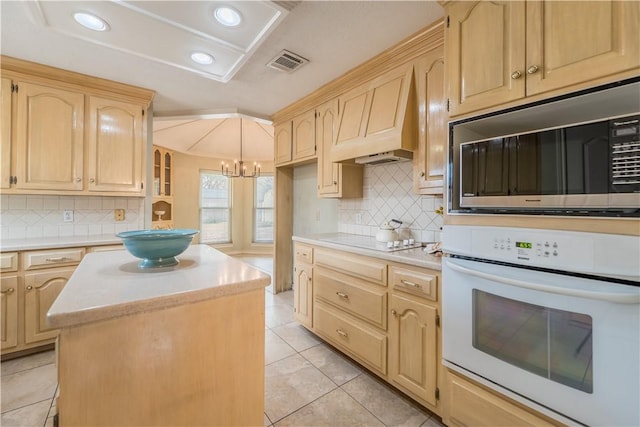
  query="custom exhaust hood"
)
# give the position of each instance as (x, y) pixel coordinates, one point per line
(378, 121)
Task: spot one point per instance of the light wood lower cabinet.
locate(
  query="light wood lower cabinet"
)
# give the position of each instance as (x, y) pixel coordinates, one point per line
(40, 291)
(9, 310)
(382, 314)
(470, 404)
(413, 351)
(31, 281)
(303, 293)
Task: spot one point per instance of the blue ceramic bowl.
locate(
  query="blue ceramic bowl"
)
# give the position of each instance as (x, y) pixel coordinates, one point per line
(157, 248)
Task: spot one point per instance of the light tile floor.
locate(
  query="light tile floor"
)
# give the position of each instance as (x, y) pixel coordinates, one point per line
(307, 382)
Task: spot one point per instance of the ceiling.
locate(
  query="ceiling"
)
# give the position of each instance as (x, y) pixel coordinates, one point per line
(149, 42)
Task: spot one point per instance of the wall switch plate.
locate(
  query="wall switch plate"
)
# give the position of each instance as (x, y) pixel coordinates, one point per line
(118, 214)
(67, 216)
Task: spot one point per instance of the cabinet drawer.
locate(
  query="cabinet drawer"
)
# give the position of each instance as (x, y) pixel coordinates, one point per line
(471, 405)
(366, 344)
(304, 253)
(9, 262)
(52, 258)
(363, 300)
(105, 248)
(419, 283)
(366, 268)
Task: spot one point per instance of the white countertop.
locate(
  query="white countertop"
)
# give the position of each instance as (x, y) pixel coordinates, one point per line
(7, 245)
(416, 257)
(110, 284)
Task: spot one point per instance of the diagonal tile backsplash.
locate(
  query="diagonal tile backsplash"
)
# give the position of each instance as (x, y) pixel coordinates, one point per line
(35, 216)
(388, 193)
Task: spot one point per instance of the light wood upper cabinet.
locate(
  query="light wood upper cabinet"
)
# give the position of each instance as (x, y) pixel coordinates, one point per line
(49, 138)
(5, 133)
(304, 136)
(413, 356)
(8, 311)
(485, 45)
(573, 42)
(429, 165)
(41, 290)
(282, 143)
(377, 116)
(334, 179)
(115, 146)
(502, 51)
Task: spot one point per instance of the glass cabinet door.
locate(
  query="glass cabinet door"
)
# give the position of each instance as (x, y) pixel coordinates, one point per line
(167, 174)
(157, 159)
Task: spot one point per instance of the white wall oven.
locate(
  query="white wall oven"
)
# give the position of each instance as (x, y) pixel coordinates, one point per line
(578, 155)
(549, 318)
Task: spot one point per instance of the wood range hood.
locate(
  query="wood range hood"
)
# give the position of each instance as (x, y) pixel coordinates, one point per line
(378, 120)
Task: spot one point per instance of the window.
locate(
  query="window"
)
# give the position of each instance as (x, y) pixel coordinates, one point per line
(263, 209)
(215, 207)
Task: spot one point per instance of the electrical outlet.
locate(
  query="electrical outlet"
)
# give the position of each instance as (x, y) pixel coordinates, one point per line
(118, 214)
(359, 218)
(67, 216)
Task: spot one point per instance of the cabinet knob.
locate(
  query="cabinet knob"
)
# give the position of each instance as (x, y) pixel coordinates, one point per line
(92, 180)
(8, 291)
(394, 312)
(533, 69)
(335, 182)
(29, 287)
(78, 179)
(422, 174)
(516, 75)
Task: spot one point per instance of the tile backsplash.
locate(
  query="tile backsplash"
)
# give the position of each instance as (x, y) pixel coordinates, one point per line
(388, 193)
(34, 216)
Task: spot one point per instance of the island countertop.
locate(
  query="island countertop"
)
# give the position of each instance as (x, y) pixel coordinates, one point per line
(110, 284)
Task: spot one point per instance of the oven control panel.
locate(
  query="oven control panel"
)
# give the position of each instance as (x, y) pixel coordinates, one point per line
(582, 252)
(533, 248)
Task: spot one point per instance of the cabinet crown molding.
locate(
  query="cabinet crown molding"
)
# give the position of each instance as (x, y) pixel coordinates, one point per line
(99, 86)
(407, 50)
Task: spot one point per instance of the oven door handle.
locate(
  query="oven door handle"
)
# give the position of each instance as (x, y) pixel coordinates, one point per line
(619, 298)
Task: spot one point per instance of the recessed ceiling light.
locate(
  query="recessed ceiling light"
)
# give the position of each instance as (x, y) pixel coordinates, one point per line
(227, 16)
(90, 21)
(202, 58)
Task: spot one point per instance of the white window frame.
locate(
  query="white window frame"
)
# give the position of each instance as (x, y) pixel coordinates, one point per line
(203, 238)
(257, 209)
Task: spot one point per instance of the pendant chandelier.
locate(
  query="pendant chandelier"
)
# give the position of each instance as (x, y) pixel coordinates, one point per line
(239, 169)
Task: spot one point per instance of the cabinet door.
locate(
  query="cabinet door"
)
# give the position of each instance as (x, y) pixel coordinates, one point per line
(432, 139)
(41, 290)
(116, 142)
(574, 42)
(282, 143)
(49, 138)
(9, 311)
(303, 298)
(5, 133)
(304, 135)
(485, 44)
(413, 357)
(167, 174)
(328, 172)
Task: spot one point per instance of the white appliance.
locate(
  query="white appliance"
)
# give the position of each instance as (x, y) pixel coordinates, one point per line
(549, 318)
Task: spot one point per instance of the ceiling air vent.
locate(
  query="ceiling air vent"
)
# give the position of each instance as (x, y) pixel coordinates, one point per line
(287, 61)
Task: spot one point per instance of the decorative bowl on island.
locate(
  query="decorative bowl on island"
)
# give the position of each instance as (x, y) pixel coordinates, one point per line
(157, 248)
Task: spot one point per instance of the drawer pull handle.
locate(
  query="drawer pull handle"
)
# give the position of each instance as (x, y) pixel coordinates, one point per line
(342, 295)
(58, 259)
(8, 291)
(408, 283)
(342, 333)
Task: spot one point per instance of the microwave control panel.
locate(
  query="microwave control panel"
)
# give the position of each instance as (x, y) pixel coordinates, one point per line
(533, 248)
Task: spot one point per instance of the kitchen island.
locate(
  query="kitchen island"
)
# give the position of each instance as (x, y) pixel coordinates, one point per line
(180, 345)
